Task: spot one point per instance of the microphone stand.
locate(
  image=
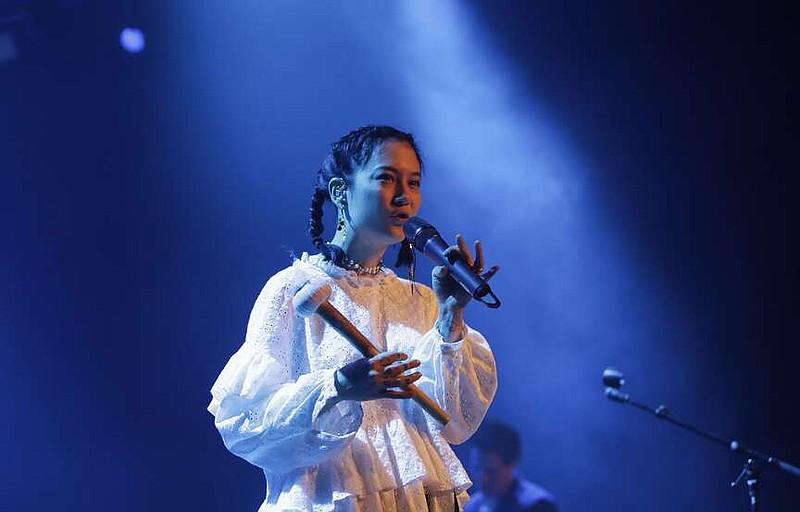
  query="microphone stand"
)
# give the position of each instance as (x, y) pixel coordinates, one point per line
(756, 460)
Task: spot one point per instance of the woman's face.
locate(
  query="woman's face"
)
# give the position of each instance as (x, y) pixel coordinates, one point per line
(384, 193)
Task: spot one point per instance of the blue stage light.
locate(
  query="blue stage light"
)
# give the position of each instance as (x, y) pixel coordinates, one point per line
(132, 39)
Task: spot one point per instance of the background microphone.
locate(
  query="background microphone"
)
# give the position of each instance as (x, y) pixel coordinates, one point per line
(424, 237)
(613, 380)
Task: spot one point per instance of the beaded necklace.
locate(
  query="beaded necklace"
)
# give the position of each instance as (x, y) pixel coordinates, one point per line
(340, 259)
(356, 267)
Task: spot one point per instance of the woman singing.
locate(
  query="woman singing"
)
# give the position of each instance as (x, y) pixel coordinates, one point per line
(332, 430)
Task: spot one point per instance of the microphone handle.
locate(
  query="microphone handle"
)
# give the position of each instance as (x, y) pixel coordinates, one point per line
(343, 326)
(434, 249)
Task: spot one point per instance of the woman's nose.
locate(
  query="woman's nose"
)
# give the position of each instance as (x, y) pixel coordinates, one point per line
(400, 200)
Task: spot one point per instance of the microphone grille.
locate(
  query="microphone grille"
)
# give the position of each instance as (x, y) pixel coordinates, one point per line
(419, 231)
(613, 378)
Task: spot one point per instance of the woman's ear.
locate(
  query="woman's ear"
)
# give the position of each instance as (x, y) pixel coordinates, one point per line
(336, 187)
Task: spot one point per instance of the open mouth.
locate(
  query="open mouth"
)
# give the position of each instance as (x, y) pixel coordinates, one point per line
(401, 216)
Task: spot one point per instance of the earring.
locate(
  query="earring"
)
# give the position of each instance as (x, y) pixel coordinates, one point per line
(340, 225)
(411, 264)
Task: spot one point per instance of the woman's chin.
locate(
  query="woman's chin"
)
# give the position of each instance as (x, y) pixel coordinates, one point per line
(397, 234)
(389, 236)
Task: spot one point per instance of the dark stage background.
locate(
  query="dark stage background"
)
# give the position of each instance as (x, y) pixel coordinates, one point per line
(629, 165)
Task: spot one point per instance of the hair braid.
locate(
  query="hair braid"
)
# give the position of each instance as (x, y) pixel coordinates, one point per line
(315, 226)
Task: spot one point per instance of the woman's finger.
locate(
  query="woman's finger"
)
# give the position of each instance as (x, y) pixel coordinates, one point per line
(390, 357)
(490, 273)
(478, 266)
(384, 359)
(398, 368)
(450, 250)
(401, 381)
(440, 272)
(465, 252)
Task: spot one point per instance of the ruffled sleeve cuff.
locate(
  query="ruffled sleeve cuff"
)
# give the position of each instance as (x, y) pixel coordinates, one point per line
(452, 347)
(460, 376)
(339, 418)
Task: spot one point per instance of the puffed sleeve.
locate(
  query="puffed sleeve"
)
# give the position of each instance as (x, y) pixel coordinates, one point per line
(461, 377)
(267, 406)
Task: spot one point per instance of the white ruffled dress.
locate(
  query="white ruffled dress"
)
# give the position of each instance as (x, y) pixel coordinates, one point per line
(271, 401)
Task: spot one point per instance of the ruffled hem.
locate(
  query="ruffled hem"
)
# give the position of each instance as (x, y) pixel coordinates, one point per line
(389, 452)
(386, 454)
(414, 497)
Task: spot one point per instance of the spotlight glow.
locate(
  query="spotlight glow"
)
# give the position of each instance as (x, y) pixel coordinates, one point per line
(132, 40)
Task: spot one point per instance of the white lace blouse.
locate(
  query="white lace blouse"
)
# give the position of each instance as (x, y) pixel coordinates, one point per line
(269, 402)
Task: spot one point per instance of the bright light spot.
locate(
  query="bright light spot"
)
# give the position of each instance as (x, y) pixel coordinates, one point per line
(132, 39)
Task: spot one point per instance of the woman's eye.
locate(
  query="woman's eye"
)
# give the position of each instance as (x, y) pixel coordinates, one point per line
(385, 177)
(415, 183)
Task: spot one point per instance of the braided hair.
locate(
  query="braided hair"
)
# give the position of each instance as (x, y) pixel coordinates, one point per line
(348, 154)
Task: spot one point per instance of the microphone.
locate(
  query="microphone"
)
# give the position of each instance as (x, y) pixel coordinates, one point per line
(313, 298)
(617, 395)
(424, 237)
(613, 380)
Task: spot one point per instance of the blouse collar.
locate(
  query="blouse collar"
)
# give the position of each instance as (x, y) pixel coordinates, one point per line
(337, 272)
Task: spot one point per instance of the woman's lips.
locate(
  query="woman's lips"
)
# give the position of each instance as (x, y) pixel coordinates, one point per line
(400, 218)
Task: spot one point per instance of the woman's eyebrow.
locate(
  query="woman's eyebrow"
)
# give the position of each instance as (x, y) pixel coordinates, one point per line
(395, 170)
(384, 167)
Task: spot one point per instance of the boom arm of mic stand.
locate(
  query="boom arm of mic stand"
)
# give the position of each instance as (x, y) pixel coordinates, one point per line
(661, 412)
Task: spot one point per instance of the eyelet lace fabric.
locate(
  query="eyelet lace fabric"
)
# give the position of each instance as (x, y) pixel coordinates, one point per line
(272, 401)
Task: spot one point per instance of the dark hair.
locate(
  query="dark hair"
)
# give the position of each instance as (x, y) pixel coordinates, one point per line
(500, 438)
(347, 154)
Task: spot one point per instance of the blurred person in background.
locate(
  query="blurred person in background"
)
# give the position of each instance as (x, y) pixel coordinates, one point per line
(493, 458)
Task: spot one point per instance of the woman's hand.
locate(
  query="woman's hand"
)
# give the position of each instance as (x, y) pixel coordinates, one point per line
(451, 295)
(381, 376)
